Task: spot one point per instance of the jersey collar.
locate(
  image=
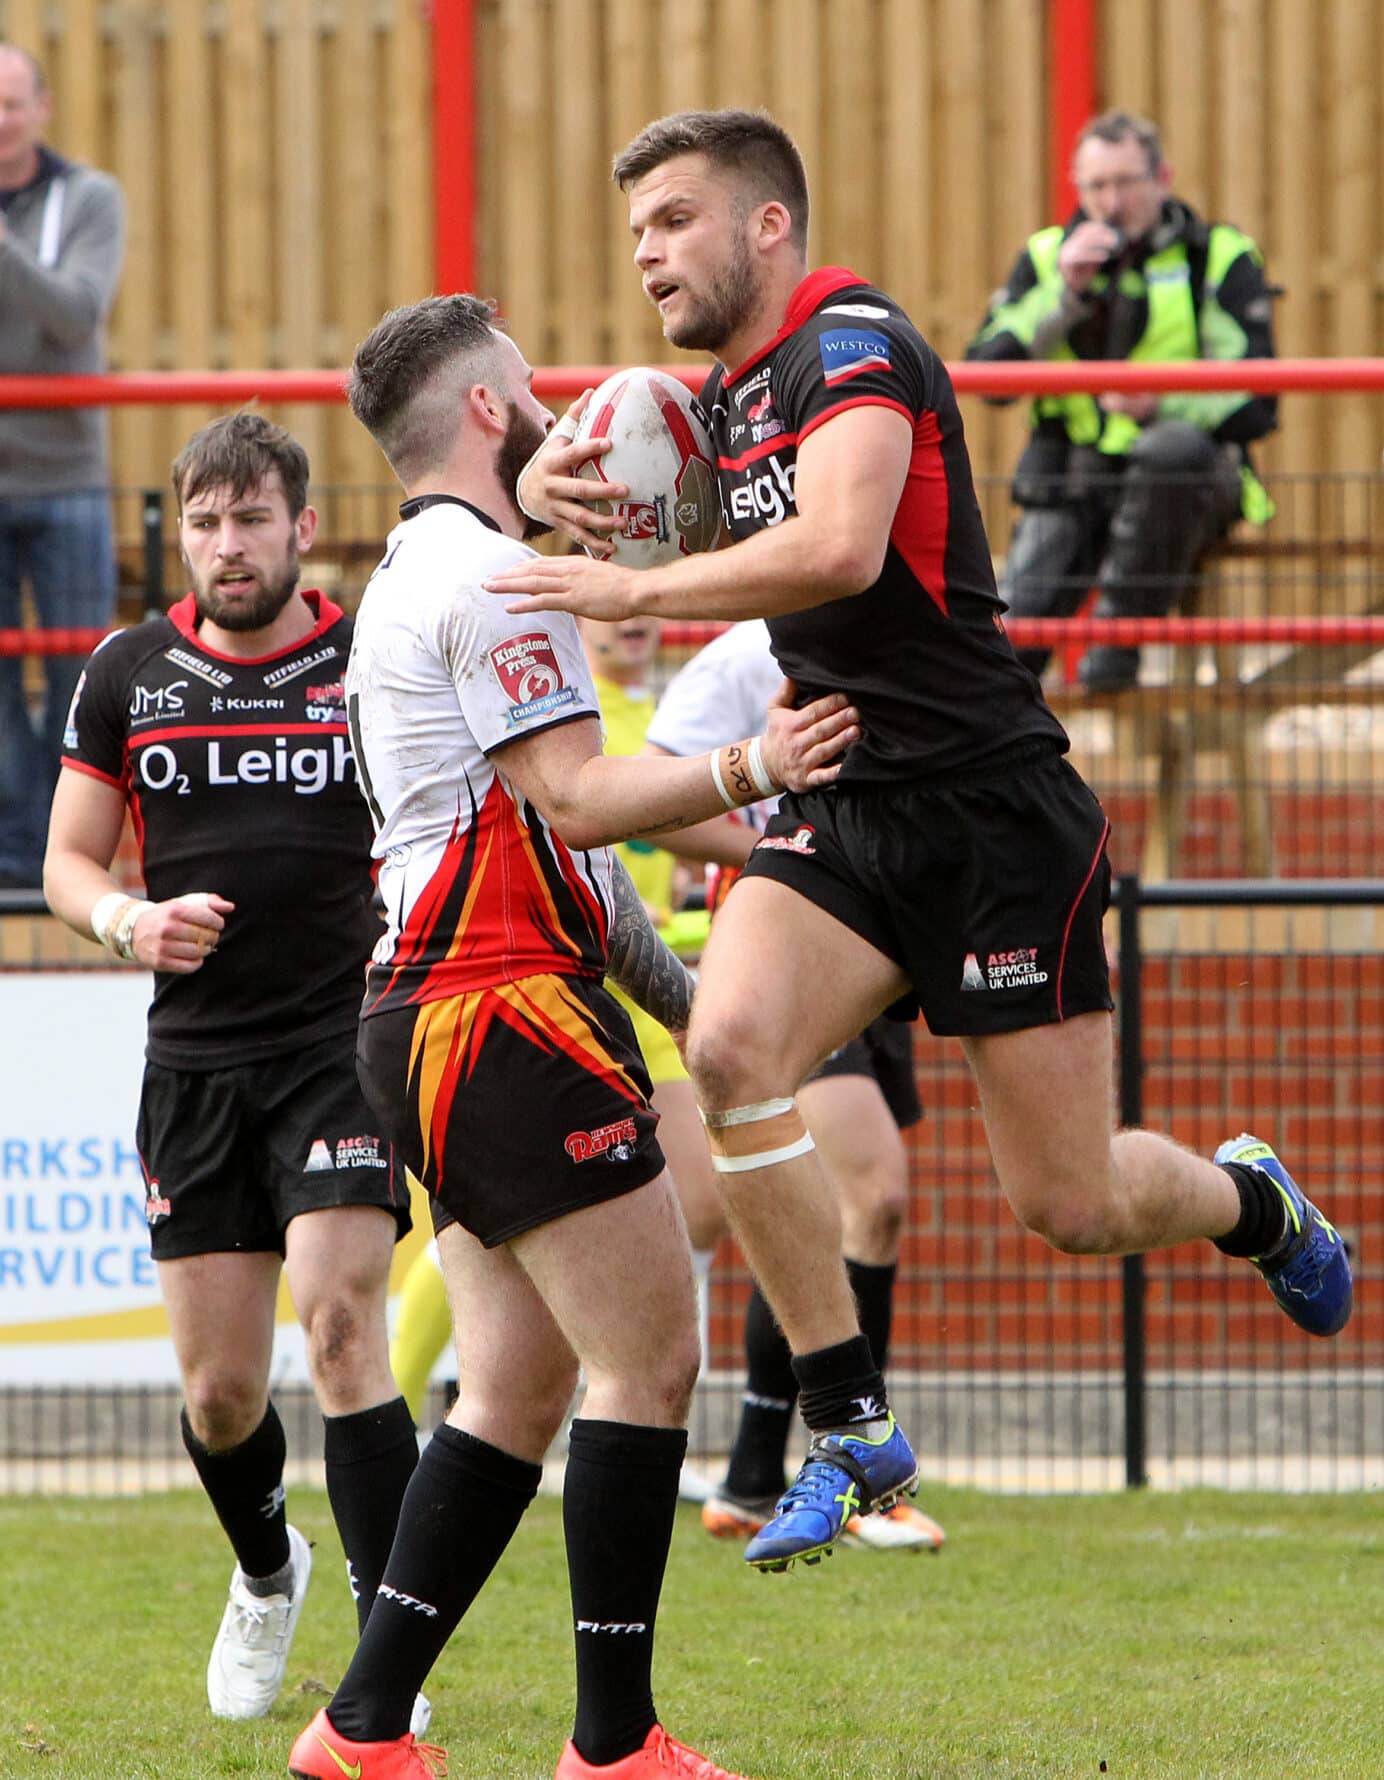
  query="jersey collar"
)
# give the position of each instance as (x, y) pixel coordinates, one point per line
(183, 617)
(809, 295)
(420, 502)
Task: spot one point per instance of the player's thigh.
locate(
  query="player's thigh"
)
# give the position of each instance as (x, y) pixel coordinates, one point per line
(516, 1370)
(340, 1255)
(1047, 1095)
(221, 1317)
(781, 984)
(618, 1280)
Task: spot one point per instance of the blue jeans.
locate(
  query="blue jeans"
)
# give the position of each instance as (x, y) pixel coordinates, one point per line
(65, 546)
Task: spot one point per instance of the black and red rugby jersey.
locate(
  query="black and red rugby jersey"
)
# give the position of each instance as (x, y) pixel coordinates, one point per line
(240, 780)
(922, 652)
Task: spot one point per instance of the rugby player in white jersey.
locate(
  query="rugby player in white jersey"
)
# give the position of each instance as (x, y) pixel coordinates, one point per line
(505, 1073)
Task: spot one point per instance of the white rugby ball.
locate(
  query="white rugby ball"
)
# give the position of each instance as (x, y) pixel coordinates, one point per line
(661, 450)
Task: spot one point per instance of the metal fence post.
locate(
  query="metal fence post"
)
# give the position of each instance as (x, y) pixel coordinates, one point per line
(152, 516)
(1132, 1113)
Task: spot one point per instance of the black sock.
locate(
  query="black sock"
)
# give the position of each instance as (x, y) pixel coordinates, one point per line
(459, 1512)
(874, 1296)
(766, 1409)
(369, 1458)
(618, 1503)
(840, 1385)
(245, 1485)
(1263, 1216)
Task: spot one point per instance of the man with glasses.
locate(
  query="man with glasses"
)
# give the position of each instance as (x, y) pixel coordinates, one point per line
(1125, 492)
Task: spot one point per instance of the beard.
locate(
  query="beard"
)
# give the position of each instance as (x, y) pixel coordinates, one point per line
(255, 610)
(716, 316)
(523, 436)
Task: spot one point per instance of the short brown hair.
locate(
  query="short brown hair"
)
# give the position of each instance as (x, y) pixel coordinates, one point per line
(748, 144)
(394, 388)
(237, 452)
(1124, 126)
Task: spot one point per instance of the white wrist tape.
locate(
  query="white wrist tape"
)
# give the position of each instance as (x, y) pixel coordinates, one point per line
(113, 922)
(759, 772)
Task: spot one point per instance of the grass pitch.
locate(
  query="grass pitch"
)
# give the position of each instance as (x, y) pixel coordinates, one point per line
(1197, 1636)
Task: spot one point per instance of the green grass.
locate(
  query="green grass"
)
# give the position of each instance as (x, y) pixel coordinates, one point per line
(1201, 1636)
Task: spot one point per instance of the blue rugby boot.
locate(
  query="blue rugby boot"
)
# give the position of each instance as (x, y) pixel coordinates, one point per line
(844, 1474)
(1309, 1271)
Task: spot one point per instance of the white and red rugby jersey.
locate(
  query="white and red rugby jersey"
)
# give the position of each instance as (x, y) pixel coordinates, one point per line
(477, 888)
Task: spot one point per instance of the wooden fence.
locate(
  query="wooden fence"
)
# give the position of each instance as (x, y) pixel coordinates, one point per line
(276, 157)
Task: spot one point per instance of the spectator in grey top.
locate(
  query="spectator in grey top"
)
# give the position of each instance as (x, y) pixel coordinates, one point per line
(62, 230)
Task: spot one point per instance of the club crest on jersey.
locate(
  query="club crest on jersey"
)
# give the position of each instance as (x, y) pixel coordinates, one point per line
(848, 353)
(530, 676)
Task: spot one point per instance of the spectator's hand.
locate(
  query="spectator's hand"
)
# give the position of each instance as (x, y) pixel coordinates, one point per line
(179, 935)
(1084, 252)
(550, 490)
(1140, 407)
(802, 749)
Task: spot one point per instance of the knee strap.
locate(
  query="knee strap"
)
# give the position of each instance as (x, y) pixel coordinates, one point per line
(756, 1136)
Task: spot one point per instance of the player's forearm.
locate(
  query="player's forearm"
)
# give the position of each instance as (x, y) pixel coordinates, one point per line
(628, 797)
(638, 960)
(74, 884)
(790, 567)
(721, 841)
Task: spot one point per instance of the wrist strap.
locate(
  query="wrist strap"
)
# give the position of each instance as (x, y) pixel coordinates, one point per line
(566, 430)
(740, 775)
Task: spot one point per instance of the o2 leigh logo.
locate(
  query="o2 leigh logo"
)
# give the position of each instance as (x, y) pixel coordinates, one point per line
(768, 496)
(308, 769)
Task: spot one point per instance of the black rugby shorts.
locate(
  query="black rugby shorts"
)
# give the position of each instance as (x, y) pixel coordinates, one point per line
(515, 1104)
(884, 1053)
(987, 890)
(231, 1156)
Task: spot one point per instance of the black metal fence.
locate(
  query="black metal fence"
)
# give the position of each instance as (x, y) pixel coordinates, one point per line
(1241, 1005)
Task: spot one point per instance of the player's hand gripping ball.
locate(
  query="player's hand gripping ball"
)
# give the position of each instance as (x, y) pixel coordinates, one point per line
(661, 450)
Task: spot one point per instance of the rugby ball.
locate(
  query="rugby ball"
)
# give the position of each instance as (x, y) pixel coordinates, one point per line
(661, 450)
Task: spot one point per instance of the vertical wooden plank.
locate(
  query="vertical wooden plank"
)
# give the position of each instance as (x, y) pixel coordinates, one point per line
(531, 208)
(299, 217)
(244, 218)
(1353, 199)
(23, 25)
(77, 109)
(849, 215)
(796, 99)
(964, 249)
(631, 48)
(684, 30)
(1240, 113)
(408, 176)
(580, 330)
(1127, 49)
(739, 53)
(1293, 243)
(137, 159)
(904, 165)
(188, 208)
(351, 188)
(1186, 97)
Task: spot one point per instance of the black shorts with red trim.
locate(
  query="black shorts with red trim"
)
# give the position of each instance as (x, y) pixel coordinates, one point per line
(883, 1053)
(232, 1156)
(514, 1104)
(987, 889)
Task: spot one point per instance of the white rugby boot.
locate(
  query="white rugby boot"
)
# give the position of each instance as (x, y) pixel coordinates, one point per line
(250, 1654)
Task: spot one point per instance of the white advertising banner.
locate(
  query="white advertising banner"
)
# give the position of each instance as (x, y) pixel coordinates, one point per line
(79, 1294)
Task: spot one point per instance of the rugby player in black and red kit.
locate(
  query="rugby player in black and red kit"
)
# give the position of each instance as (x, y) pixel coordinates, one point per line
(957, 865)
(222, 729)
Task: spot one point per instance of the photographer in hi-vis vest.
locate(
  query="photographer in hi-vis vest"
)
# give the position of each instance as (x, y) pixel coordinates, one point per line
(1125, 492)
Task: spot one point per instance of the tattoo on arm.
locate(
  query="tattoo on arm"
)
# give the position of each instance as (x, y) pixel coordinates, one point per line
(641, 964)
